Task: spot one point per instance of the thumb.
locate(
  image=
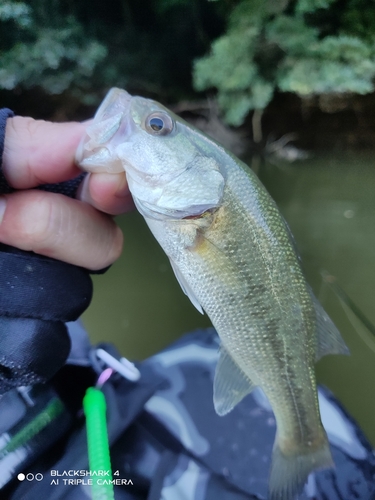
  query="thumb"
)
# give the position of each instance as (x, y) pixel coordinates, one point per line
(39, 152)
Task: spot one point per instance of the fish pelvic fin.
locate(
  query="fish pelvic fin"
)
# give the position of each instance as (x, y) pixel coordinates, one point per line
(289, 473)
(329, 340)
(186, 287)
(231, 384)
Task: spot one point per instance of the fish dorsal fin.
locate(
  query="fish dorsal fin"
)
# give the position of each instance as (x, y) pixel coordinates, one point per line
(186, 287)
(329, 340)
(231, 384)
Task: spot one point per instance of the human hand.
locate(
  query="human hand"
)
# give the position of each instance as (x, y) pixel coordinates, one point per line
(72, 230)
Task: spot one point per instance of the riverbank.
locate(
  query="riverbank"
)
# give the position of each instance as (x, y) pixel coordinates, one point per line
(319, 123)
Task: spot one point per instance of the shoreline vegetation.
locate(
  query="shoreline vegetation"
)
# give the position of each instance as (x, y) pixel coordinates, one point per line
(339, 123)
(263, 70)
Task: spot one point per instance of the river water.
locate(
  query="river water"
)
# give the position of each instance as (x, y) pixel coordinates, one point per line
(329, 203)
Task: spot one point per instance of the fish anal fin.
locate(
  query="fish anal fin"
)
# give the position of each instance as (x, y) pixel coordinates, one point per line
(231, 384)
(329, 340)
(186, 287)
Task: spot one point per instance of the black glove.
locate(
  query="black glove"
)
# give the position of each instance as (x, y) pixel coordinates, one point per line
(37, 296)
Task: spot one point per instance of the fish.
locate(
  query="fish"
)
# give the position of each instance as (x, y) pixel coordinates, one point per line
(235, 258)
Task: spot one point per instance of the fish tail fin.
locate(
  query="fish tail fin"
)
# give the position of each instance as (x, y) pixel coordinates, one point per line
(290, 473)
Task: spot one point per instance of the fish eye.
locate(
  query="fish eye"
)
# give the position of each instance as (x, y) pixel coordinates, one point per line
(159, 124)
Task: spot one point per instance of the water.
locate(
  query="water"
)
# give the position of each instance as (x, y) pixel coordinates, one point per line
(329, 203)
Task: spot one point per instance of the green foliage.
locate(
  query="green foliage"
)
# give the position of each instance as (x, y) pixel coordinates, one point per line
(33, 53)
(150, 46)
(298, 50)
(230, 73)
(83, 48)
(19, 12)
(290, 34)
(359, 19)
(232, 66)
(305, 6)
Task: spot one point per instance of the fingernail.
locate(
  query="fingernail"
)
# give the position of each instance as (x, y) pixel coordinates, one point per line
(123, 188)
(83, 192)
(3, 204)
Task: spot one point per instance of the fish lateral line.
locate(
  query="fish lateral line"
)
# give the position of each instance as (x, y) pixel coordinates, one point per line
(231, 252)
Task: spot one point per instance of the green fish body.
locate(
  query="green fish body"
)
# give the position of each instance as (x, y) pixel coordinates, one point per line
(234, 256)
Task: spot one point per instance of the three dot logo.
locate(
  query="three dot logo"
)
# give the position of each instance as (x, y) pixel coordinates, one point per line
(29, 476)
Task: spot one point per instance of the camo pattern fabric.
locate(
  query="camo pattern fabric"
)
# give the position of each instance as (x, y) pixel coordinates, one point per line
(168, 443)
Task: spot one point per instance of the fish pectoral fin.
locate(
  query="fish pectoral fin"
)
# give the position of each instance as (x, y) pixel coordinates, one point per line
(227, 271)
(231, 384)
(186, 287)
(329, 339)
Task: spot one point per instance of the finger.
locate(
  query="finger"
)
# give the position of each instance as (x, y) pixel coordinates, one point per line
(106, 192)
(60, 227)
(38, 152)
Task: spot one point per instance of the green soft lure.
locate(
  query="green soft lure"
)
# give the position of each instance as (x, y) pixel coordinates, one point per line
(94, 407)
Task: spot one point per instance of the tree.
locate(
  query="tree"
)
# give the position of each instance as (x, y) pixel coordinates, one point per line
(83, 48)
(308, 47)
(257, 47)
(48, 51)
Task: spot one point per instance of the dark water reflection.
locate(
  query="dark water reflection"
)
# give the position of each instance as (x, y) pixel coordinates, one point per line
(329, 203)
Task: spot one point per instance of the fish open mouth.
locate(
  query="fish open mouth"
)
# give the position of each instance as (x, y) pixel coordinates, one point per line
(96, 151)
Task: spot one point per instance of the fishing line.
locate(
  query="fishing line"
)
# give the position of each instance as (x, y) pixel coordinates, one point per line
(354, 314)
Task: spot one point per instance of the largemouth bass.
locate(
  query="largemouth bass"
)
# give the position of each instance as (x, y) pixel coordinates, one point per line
(234, 257)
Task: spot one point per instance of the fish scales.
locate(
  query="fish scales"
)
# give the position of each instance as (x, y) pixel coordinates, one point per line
(234, 256)
(268, 325)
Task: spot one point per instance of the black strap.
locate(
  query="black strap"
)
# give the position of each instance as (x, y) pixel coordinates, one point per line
(31, 350)
(32, 286)
(37, 296)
